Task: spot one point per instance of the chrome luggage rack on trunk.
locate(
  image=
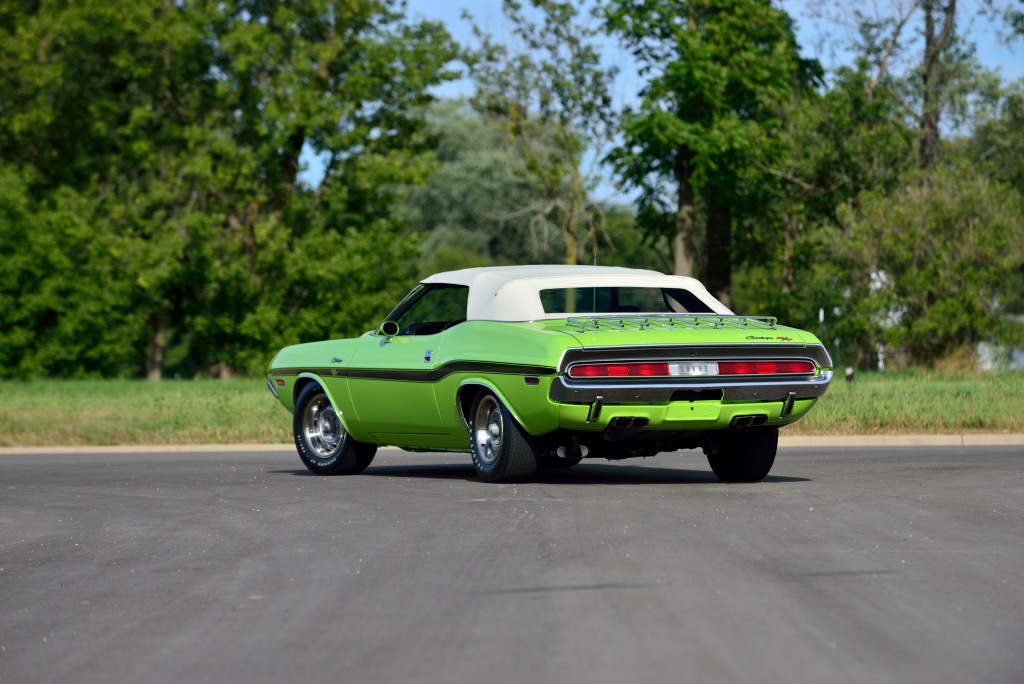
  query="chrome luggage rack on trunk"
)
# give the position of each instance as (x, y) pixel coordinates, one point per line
(687, 321)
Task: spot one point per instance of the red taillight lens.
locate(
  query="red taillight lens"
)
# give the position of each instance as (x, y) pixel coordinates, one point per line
(763, 367)
(618, 370)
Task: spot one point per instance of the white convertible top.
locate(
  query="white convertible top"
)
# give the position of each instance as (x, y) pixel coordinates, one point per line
(512, 293)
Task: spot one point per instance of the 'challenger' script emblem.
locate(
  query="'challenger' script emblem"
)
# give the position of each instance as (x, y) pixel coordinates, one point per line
(761, 337)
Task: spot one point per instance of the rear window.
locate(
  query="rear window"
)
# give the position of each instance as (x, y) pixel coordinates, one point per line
(621, 300)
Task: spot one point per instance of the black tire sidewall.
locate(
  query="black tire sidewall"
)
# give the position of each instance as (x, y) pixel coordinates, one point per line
(515, 459)
(746, 456)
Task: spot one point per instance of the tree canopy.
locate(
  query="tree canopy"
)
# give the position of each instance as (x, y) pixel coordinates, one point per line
(154, 220)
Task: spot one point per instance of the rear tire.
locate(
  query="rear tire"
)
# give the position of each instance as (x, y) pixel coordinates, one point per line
(324, 445)
(745, 456)
(502, 450)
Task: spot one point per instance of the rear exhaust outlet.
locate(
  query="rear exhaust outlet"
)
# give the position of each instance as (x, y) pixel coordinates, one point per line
(628, 422)
(748, 421)
(574, 450)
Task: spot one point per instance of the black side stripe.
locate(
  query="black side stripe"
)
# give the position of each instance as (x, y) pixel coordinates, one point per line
(427, 375)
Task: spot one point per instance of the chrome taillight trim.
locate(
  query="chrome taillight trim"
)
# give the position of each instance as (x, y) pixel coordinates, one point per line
(659, 389)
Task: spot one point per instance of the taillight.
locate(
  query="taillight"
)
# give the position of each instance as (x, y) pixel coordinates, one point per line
(618, 370)
(763, 367)
(689, 369)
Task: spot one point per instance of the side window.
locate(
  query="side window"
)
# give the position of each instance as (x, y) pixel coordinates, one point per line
(684, 301)
(436, 308)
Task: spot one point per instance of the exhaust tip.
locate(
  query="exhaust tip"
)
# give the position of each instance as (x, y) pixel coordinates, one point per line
(629, 421)
(749, 421)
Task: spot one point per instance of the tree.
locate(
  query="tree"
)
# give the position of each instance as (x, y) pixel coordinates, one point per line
(938, 258)
(719, 72)
(348, 82)
(936, 38)
(469, 210)
(156, 147)
(916, 43)
(104, 104)
(471, 204)
(553, 100)
(996, 148)
(828, 149)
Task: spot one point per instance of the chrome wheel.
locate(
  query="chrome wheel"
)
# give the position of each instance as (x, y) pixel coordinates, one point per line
(488, 429)
(323, 443)
(321, 428)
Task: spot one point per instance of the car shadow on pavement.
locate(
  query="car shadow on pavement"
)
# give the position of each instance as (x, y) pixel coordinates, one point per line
(584, 473)
(622, 474)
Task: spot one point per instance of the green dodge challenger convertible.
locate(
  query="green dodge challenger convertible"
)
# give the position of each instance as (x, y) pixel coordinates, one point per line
(529, 367)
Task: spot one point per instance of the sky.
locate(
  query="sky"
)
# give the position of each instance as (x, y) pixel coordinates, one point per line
(810, 31)
(815, 37)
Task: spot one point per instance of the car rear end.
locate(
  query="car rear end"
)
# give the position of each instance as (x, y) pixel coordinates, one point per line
(655, 383)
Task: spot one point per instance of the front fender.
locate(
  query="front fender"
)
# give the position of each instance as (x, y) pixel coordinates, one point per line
(348, 419)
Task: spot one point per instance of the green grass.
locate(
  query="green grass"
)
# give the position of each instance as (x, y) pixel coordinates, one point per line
(105, 412)
(241, 411)
(912, 402)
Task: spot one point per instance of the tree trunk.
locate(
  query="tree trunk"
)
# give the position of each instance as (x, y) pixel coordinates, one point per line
(155, 361)
(933, 47)
(572, 219)
(683, 239)
(788, 273)
(718, 250)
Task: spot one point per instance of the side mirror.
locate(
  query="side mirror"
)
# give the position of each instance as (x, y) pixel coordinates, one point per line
(388, 329)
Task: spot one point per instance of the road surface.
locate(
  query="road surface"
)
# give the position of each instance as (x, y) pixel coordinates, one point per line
(878, 565)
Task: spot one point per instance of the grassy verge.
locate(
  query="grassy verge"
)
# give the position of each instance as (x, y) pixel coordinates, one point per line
(918, 403)
(106, 412)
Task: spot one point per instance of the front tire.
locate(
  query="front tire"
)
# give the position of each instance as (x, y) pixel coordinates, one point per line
(502, 449)
(745, 456)
(324, 445)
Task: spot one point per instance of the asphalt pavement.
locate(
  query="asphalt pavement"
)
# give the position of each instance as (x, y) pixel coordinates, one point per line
(848, 564)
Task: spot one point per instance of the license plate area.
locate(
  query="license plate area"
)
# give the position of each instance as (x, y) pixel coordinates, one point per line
(694, 369)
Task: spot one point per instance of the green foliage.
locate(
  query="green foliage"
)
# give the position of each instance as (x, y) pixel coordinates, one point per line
(152, 219)
(553, 101)
(927, 263)
(998, 136)
(853, 229)
(151, 153)
(72, 292)
(719, 74)
(828, 150)
(470, 211)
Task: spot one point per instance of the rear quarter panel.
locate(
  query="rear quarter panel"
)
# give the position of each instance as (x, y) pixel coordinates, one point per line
(501, 356)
